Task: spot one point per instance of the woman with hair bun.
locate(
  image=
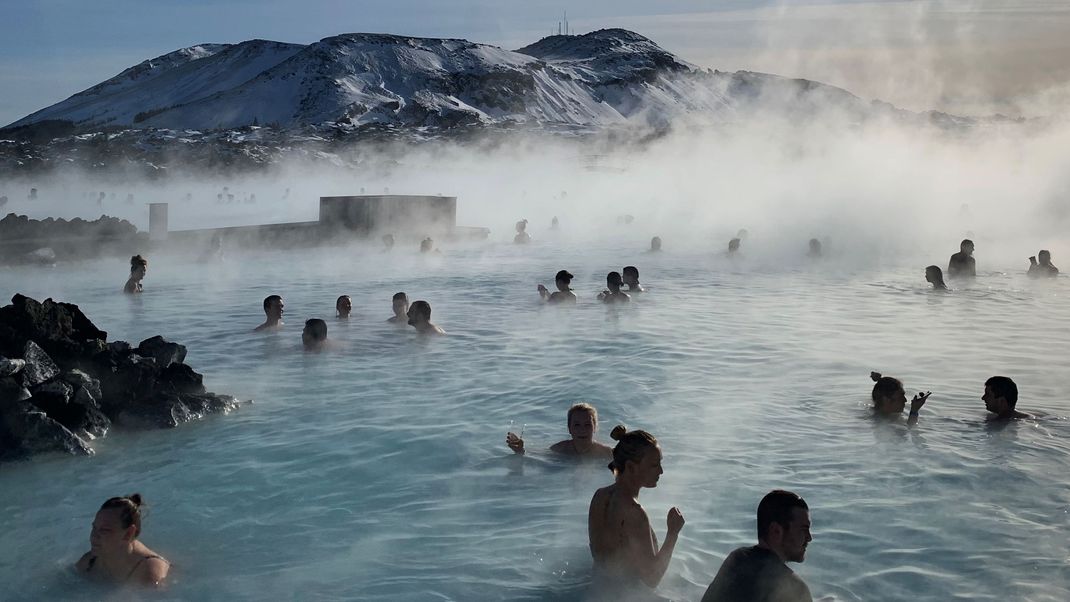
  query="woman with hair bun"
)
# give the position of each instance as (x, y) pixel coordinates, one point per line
(115, 553)
(138, 266)
(623, 544)
(890, 398)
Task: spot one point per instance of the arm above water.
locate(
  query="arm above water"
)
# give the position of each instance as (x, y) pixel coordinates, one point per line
(650, 563)
(153, 572)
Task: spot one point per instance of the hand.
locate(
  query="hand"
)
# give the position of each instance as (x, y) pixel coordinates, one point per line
(675, 520)
(514, 442)
(542, 289)
(919, 400)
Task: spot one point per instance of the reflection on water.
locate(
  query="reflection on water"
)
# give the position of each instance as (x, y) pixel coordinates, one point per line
(378, 471)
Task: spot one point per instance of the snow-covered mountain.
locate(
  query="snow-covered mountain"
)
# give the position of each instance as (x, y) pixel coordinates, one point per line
(603, 78)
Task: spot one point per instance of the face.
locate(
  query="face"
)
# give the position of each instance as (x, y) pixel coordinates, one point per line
(416, 317)
(993, 404)
(108, 532)
(968, 248)
(648, 470)
(401, 307)
(797, 536)
(562, 285)
(139, 272)
(275, 310)
(1044, 257)
(582, 425)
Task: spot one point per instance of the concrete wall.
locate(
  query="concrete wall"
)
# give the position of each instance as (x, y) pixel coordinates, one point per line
(405, 215)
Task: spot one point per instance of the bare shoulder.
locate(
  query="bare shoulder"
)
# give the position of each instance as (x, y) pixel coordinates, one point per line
(83, 563)
(153, 571)
(601, 449)
(563, 447)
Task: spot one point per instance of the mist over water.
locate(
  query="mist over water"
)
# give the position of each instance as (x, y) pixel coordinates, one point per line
(378, 471)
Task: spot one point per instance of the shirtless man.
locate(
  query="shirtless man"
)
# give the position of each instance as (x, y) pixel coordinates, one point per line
(563, 294)
(1001, 397)
(760, 573)
(1043, 269)
(962, 264)
(273, 308)
(343, 306)
(401, 310)
(631, 278)
(420, 318)
(623, 545)
(613, 294)
(582, 424)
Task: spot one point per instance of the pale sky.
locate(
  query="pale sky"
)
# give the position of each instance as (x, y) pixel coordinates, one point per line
(964, 56)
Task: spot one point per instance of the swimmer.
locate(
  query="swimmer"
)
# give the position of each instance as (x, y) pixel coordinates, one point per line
(631, 278)
(388, 243)
(760, 573)
(420, 318)
(889, 398)
(138, 266)
(401, 310)
(1001, 397)
(115, 553)
(582, 423)
(655, 244)
(934, 276)
(554, 224)
(622, 542)
(314, 335)
(613, 294)
(273, 307)
(522, 237)
(1044, 268)
(563, 294)
(343, 307)
(427, 245)
(815, 249)
(962, 264)
(733, 246)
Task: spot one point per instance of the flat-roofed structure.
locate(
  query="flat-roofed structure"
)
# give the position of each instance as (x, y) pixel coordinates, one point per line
(406, 215)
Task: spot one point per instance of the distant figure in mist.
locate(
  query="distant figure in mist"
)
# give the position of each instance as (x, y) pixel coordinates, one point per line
(554, 224)
(427, 245)
(760, 573)
(214, 253)
(655, 244)
(582, 421)
(625, 219)
(563, 294)
(401, 310)
(742, 234)
(1043, 269)
(188, 197)
(420, 318)
(935, 277)
(343, 306)
(273, 308)
(522, 236)
(622, 542)
(890, 398)
(733, 247)
(388, 243)
(115, 554)
(314, 335)
(962, 264)
(1001, 399)
(138, 266)
(33, 195)
(631, 278)
(613, 294)
(815, 251)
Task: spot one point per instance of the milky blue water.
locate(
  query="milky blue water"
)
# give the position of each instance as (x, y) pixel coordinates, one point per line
(378, 471)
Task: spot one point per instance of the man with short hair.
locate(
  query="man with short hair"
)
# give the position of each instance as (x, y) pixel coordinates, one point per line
(563, 294)
(401, 309)
(760, 573)
(1001, 397)
(631, 278)
(343, 306)
(962, 264)
(420, 318)
(273, 308)
(613, 294)
(314, 336)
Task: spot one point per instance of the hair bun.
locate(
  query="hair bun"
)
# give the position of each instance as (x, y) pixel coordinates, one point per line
(618, 432)
(875, 376)
(135, 498)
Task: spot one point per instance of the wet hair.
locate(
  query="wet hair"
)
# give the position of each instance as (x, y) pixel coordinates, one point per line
(582, 407)
(1044, 253)
(614, 277)
(421, 307)
(129, 508)
(631, 269)
(776, 507)
(400, 297)
(137, 261)
(733, 244)
(316, 328)
(655, 242)
(1005, 388)
(815, 243)
(563, 275)
(271, 299)
(883, 386)
(631, 446)
(339, 300)
(935, 271)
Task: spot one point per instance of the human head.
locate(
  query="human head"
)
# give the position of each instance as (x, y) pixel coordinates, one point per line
(613, 281)
(117, 523)
(1044, 257)
(815, 245)
(273, 307)
(521, 225)
(426, 245)
(784, 525)
(563, 279)
(934, 275)
(636, 455)
(315, 332)
(888, 394)
(419, 312)
(582, 421)
(631, 275)
(655, 243)
(401, 304)
(344, 305)
(1001, 395)
(966, 246)
(733, 245)
(138, 266)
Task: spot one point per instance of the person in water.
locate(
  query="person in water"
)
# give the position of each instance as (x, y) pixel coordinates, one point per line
(582, 425)
(623, 544)
(522, 236)
(1043, 269)
(935, 277)
(115, 553)
(962, 264)
(890, 398)
(401, 310)
(631, 278)
(1001, 399)
(314, 335)
(343, 307)
(427, 245)
(273, 307)
(613, 294)
(655, 244)
(138, 266)
(563, 294)
(554, 223)
(815, 249)
(760, 573)
(420, 318)
(388, 243)
(733, 246)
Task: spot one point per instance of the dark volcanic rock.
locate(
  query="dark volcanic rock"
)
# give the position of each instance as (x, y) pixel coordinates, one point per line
(39, 367)
(61, 329)
(28, 431)
(164, 352)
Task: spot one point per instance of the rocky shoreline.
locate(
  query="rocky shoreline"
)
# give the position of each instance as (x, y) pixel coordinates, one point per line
(62, 384)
